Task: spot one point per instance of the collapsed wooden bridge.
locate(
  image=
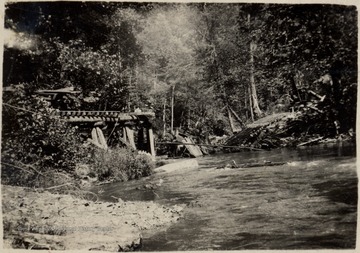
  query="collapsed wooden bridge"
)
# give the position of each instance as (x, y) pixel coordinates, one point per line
(110, 128)
(107, 129)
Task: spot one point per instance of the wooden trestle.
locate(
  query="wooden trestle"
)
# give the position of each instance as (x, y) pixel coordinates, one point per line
(108, 127)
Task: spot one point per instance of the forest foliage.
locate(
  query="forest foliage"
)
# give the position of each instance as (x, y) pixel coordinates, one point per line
(202, 57)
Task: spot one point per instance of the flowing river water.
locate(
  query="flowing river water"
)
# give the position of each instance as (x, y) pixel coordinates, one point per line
(308, 203)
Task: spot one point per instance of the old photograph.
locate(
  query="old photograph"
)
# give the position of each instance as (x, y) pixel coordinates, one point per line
(179, 126)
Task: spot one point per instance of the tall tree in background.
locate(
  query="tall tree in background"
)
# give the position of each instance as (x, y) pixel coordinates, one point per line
(252, 90)
(302, 43)
(230, 55)
(122, 55)
(221, 55)
(169, 43)
(74, 49)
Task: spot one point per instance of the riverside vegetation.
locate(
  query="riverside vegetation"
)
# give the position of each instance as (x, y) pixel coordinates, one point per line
(41, 150)
(46, 157)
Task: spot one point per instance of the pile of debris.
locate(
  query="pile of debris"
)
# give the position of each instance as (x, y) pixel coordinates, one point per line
(280, 130)
(264, 133)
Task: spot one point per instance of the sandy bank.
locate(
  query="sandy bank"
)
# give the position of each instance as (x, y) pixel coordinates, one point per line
(42, 220)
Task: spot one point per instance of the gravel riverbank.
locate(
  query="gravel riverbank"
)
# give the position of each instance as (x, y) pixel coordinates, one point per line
(42, 220)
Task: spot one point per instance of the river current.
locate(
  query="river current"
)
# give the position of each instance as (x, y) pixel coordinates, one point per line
(308, 203)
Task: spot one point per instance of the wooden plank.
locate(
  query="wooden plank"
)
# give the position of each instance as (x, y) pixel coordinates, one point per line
(94, 116)
(130, 137)
(233, 165)
(124, 135)
(242, 125)
(101, 138)
(192, 148)
(310, 142)
(231, 121)
(94, 136)
(210, 145)
(231, 113)
(51, 92)
(151, 141)
(98, 138)
(75, 119)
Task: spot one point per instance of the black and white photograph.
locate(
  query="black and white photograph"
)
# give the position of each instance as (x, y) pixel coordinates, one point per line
(179, 126)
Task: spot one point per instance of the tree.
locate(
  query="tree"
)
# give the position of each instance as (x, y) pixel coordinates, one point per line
(169, 43)
(210, 55)
(69, 52)
(305, 42)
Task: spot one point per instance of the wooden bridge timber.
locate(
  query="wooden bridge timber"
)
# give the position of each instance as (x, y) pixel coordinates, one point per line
(108, 128)
(106, 116)
(112, 127)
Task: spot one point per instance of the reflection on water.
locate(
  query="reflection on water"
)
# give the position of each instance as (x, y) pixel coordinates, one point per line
(308, 203)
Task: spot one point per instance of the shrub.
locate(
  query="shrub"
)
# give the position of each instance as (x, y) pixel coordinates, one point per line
(34, 139)
(143, 166)
(121, 164)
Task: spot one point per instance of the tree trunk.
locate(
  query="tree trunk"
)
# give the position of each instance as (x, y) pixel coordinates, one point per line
(253, 93)
(245, 103)
(172, 108)
(250, 106)
(164, 117)
(255, 102)
(231, 120)
(188, 118)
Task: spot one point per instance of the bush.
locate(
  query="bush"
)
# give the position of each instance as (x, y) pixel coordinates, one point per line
(121, 164)
(34, 139)
(143, 166)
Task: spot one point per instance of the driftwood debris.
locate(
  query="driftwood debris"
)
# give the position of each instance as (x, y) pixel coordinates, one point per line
(189, 144)
(263, 164)
(234, 165)
(274, 131)
(310, 142)
(210, 145)
(236, 123)
(321, 98)
(258, 137)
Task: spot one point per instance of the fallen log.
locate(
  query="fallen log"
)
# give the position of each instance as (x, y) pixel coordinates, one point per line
(266, 163)
(210, 145)
(234, 165)
(310, 142)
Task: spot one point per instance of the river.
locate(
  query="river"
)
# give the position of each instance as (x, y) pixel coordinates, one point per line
(308, 203)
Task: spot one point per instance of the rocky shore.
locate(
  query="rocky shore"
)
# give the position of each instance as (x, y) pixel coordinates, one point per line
(43, 220)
